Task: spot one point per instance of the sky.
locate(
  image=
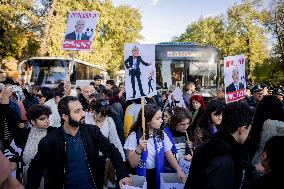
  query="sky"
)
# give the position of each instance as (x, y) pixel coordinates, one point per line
(164, 19)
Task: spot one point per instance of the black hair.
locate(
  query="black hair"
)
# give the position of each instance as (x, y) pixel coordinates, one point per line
(270, 107)
(205, 121)
(36, 110)
(100, 106)
(46, 92)
(108, 92)
(149, 112)
(110, 82)
(97, 77)
(274, 153)
(59, 91)
(180, 114)
(235, 115)
(115, 91)
(63, 107)
(35, 87)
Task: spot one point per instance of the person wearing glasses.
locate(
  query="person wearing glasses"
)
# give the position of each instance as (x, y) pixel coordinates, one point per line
(44, 94)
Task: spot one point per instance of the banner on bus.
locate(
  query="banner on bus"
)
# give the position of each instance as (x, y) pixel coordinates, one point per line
(234, 78)
(80, 31)
(140, 71)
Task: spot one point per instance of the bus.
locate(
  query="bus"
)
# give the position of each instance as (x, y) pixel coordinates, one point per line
(50, 71)
(178, 63)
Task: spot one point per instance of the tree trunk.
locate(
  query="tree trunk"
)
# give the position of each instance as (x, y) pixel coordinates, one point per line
(249, 77)
(42, 51)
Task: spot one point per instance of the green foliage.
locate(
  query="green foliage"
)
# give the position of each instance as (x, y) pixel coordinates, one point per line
(115, 26)
(271, 71)
(18, 28)
(27, 25)
(240, 31)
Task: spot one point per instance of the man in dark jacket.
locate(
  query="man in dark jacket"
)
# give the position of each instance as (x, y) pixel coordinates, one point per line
(132, 63)
(70, 153)
(217, 163)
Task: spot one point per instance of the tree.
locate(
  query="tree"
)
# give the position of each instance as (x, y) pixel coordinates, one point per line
(18, 29)
(246, 21)
(115, 26)
(275, 24)
(240, 31)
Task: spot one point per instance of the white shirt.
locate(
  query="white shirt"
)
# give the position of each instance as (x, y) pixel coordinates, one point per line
(131, 144)
(134, 66)
(54, 118)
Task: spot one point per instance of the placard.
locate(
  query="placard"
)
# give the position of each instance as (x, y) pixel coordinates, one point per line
(140, 71)
(80, 31)
(234, 78)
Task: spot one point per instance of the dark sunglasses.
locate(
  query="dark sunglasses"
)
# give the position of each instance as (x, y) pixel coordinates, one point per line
(39, 95)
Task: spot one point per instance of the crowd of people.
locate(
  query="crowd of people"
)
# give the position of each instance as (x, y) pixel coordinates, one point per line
(91, 137)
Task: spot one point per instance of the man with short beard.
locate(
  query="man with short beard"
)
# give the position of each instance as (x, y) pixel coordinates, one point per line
(70, 154)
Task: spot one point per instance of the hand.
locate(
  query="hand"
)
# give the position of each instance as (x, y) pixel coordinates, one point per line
(125, 181)
(259, 168)
(189, 144)
(182, 177)
(6, 93)
(188, 157)
(121, 93)
(142, 143)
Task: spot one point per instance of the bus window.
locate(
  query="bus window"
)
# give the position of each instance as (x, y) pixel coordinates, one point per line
(48, 71)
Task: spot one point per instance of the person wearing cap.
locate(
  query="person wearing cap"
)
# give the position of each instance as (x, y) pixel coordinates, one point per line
(257, 95)
(265, 88)
(279, 93)
(98, 84)
(248, 88)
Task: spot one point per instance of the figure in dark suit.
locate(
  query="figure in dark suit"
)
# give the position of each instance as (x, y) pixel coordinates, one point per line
(150, 79)
(235, 85)
(132, 63)
(78, 33)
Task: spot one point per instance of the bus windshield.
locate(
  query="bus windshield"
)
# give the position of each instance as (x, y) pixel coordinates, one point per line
(51, 71)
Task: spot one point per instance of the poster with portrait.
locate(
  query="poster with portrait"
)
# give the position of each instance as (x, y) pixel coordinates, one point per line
(234, 78)
(80, 31)
(140, 71)
(175, 99)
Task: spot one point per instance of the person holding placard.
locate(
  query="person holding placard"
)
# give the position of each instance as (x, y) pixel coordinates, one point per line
(177, 133)
(146, 152)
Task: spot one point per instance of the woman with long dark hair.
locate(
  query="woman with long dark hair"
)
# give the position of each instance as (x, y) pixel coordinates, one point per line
(146, 153)
(268, 122)
(177, 133)
(208, 123)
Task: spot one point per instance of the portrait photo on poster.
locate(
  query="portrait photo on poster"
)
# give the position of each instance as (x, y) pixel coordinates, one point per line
(140, 71)
(234, 77)
(80, 30)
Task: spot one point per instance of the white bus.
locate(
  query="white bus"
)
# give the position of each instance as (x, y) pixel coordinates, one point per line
(50, 71)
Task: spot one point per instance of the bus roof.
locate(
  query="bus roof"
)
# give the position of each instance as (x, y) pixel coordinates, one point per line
(68, 58)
